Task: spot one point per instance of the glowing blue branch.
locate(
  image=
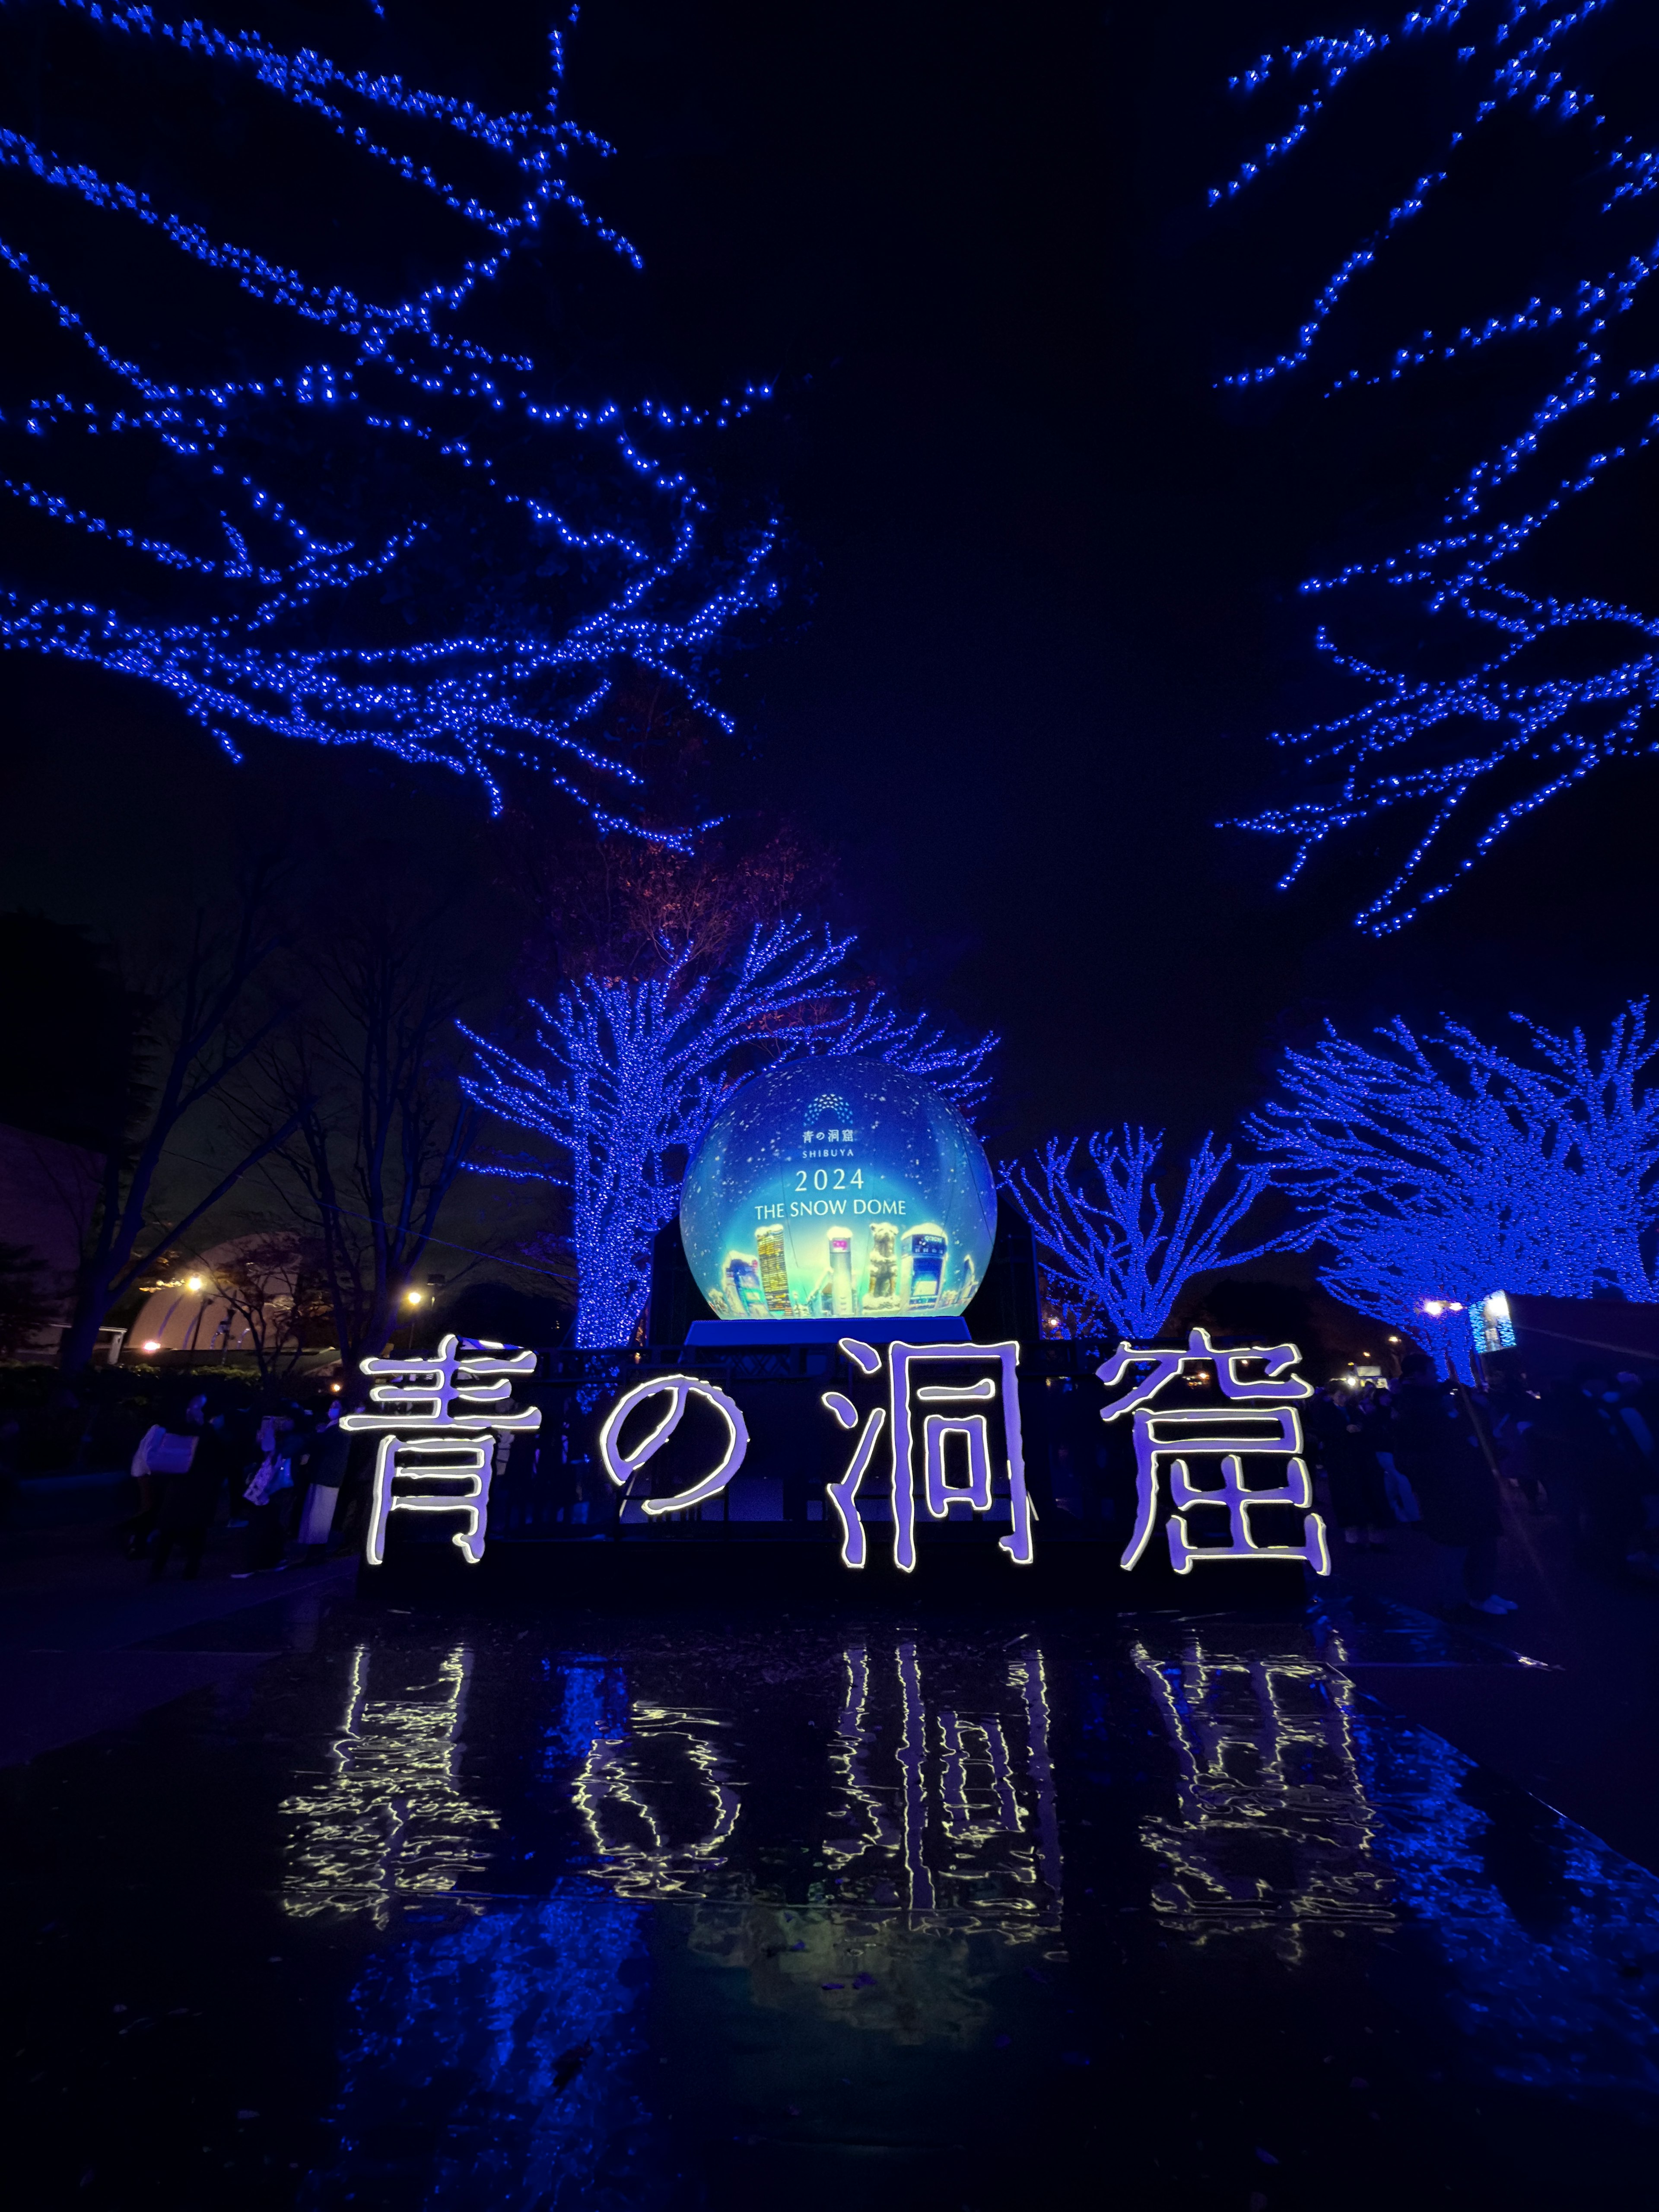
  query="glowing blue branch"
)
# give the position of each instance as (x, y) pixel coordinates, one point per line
(630, 1074)
(1526, 736)
(1439, 1170)
(285, 633)
(1099, 1225)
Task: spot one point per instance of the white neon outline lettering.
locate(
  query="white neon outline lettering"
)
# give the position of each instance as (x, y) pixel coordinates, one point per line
(1165, 1366)
(434, 1387)
(843, 1495)
(471, 1462)
(939, 1493)
(1237, 1503)
(1152, 1451)
(453, 1383)
(623, 1466)
(1018, 1544)
(1278, 1379)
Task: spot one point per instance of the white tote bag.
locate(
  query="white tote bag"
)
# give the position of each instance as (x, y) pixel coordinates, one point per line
(317, 1515)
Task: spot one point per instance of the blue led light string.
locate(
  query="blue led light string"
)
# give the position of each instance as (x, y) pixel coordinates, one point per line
(662, 578)
(629, 1075)
(1389, 755)
(1112, 1260)
(1437, 1169)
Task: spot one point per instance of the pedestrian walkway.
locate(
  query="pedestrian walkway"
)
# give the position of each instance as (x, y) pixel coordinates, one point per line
(77, 1617)
(1577, 1726)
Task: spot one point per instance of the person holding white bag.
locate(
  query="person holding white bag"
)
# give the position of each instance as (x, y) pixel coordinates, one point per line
(189, 1495)
(167, 1449)
(272, 1475)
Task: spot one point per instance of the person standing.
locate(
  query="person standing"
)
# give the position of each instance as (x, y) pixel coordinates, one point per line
(166, 1448)
(164, 1462)
(271, 1476)
(1440, 1453)
(188, 1503)
(326, 1468)
(1339, 1428)
(1610, 1475)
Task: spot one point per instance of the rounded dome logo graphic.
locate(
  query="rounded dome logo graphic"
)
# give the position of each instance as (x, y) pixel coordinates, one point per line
(866, 1194)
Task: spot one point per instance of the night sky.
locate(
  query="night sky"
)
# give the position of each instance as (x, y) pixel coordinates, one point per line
(1041, 611)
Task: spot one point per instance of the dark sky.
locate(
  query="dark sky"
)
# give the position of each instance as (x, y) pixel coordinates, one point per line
(1042, 618)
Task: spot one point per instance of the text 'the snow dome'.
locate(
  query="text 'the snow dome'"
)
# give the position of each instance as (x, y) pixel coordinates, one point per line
(837, 1186)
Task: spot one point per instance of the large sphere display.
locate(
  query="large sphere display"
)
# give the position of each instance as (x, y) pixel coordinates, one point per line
(837, 1187)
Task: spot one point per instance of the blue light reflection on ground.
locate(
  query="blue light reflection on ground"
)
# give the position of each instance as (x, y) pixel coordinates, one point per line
(494, 2064)
(720, 1913)
(1548, 1940)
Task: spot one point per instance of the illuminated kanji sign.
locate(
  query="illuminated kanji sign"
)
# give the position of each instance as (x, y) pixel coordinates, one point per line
(907, 1364)
(942, 1440)
(948, 1455)
(1258, 1421)
(441, 1420)
(623, 1466)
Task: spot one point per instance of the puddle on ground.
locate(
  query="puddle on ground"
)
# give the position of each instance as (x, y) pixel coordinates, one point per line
(473, 1913)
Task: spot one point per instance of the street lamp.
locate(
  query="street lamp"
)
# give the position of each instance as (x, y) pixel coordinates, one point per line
(198, 1285)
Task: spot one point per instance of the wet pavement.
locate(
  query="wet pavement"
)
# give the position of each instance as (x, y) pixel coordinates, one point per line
(438, 1910)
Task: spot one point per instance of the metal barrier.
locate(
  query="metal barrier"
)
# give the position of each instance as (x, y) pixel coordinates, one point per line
(553, 1486)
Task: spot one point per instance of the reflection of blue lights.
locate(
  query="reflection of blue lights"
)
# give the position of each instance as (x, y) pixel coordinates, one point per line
(495, 2063)
(592, 1703)
(1547, 1934)
(492, 2065)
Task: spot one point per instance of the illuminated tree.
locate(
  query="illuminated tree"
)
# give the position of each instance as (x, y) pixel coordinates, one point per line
(1440, 1169)
(1111, 1262)
(631, 1073)
(252, 467)
(1537, 666)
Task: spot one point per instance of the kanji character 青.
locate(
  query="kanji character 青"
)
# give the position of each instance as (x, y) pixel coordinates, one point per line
(444, 1419)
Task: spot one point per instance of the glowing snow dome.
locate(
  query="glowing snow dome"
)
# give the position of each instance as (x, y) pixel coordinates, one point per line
(837, 1186)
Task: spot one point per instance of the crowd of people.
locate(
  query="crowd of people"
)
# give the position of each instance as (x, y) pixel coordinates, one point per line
(1432, 1454)
(288, 1474)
